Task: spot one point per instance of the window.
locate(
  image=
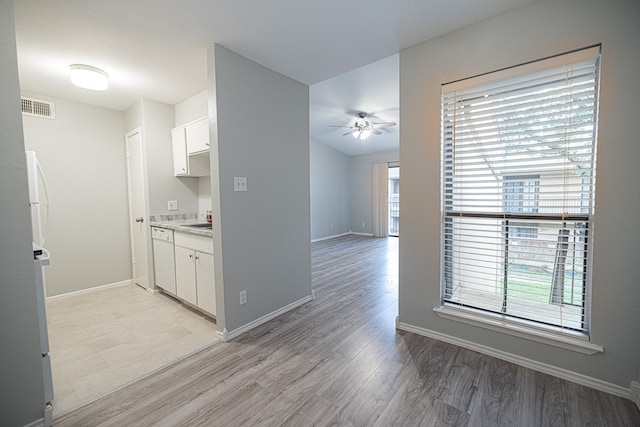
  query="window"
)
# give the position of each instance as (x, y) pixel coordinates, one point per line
(518, 169)
(521, 195)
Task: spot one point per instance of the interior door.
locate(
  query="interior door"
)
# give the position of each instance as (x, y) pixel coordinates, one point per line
(137, 209)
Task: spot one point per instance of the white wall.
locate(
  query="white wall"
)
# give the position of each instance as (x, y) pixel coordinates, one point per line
(192, 108)
(539, 30)
(21, 385)
(82, 153)
(361, 181)
(264, 237)
(330, 191)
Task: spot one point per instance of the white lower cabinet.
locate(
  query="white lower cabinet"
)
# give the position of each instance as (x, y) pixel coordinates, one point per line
(186, 275)
(205, 284)
(195, 281)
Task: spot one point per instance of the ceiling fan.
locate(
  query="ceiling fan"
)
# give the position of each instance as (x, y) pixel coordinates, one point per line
(362, 128)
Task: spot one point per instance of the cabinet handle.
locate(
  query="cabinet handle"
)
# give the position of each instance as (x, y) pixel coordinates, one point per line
(139, 219)
(190, 256)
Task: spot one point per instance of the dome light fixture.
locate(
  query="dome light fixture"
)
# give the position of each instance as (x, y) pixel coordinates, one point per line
(88, 77)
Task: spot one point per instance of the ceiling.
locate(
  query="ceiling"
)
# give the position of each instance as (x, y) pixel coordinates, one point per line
(156, 49)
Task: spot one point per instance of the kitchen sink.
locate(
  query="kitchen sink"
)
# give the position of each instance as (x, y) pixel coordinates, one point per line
(200, 225)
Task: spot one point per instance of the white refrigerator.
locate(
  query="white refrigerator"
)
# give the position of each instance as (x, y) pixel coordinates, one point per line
(39, 209)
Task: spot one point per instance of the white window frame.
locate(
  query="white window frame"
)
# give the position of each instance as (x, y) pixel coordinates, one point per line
(577, 340)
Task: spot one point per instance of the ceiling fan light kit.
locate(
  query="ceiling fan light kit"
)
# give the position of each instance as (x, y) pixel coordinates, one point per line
(362, 128)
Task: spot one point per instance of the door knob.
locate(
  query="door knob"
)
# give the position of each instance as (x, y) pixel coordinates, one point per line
(139, 219)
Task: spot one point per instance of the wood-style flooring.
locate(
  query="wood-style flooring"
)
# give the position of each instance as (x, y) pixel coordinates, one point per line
(338, 361)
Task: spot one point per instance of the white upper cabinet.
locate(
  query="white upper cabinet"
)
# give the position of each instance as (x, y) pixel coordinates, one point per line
(180, 163)
(198, 136)
(191, 149)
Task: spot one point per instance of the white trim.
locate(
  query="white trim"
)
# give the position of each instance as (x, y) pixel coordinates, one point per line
(37, 423)
(330, 237)
(634, 391)
(578, 343)
(90, 290)
(226, 335)
(522, 361)
(350, 233)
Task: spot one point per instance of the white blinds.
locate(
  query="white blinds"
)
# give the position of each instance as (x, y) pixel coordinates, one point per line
(518, 169)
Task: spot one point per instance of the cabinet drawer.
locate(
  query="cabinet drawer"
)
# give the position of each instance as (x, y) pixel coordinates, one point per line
(191, 241)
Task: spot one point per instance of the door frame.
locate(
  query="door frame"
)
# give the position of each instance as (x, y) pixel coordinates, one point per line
(145, 189)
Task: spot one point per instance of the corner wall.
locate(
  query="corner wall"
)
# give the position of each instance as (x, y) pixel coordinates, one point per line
(21, 382)
(82, 153)
(541, 29)
(330, 191)
(263, 233)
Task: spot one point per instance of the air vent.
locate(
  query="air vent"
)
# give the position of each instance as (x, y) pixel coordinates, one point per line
(38, 108)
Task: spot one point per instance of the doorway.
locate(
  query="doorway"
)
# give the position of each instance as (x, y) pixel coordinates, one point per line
(394, 199)
(137, 209)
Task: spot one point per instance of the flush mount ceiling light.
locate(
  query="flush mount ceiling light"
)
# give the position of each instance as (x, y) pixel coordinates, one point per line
(89, 77)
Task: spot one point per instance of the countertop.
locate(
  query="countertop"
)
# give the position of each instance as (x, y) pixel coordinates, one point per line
(181, 226)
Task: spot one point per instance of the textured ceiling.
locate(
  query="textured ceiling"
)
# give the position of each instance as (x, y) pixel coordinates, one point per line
(157, 48)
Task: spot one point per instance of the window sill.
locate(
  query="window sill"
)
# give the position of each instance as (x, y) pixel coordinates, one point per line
(550, 335)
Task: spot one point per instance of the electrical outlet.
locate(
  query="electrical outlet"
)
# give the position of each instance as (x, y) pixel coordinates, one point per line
(331, 226)
(239, 183)
(172, 205)
(363, 224)
(243, 297)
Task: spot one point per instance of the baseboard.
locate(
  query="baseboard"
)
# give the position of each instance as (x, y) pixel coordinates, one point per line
(229, 335)
(90, 290)
(350, 233)
(37, 423)
(635, 392)
(522, 361)
(330, 237)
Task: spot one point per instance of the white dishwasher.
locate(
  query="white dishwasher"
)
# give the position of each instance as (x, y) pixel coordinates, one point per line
(164, 259)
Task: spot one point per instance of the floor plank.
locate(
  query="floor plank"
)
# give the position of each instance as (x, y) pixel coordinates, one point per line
(338, 361)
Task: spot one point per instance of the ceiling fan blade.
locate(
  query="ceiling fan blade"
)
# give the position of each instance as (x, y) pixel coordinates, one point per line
(335, 126)
(376, 131)
(382, 125)
(348, 133)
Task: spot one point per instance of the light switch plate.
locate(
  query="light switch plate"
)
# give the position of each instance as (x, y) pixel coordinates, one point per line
(239, 183)
(172, 205)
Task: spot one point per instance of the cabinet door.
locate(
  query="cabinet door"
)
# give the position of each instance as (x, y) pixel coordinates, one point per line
(186, 275)
(198, 136)
(180, 165)
(205, 282)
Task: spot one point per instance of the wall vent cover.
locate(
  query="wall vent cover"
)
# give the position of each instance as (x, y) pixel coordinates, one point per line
(38, 108)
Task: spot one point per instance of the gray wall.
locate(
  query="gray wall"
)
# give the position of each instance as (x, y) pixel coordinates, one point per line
(21, 386)
(82, 154)
(361, 178)
(330, 191)
(541, 29)
(263, 134)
